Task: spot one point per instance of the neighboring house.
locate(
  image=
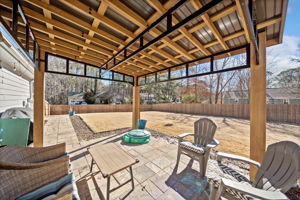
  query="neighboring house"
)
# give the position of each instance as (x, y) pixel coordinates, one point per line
(75, 98)
(274, 96)
(283, 96)
(235, 97)
(146, 97)
(105, 97)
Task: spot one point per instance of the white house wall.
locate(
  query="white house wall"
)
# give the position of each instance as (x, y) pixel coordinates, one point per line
(14, 90)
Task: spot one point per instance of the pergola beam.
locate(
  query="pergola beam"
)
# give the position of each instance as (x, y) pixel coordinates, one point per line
(62, 36)
(85, 75)
(207, 59)
(197, 5)
(257, 105)
(48, 15)
(135, 104)
(169, 30)
(159, 7)
(38, 103)
(135, 18)
(82, 8)
(243, 19)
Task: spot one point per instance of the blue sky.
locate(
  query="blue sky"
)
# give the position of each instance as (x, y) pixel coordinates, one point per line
(278, 57)
(292, 24)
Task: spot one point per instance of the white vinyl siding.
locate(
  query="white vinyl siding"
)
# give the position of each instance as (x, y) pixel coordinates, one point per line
(14, 90)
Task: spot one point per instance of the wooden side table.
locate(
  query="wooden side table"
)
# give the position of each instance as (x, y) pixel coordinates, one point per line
(110, 159)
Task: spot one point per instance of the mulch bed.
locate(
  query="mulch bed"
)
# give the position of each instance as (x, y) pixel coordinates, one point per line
(84, 132)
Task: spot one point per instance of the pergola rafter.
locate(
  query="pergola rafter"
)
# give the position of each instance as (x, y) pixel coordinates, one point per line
(157, 63)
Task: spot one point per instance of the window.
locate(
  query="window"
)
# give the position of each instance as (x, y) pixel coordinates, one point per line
(199, 68)
(141, 80)
(106, 74)
(92, 71)
(76, 68)
(129, 79)
(150, 78)
(118, 76)
(162, 76)
(177, 73)
(56, 64)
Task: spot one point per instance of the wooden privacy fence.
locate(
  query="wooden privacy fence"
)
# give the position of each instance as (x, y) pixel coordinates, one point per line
(64, 109)
(275, 112)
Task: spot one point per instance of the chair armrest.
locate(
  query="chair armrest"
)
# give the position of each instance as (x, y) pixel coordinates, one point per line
(252, 191)
(49, 152)
(221, 155)
(32, 154)
(213, 143)
(24, 166)
(182, 135)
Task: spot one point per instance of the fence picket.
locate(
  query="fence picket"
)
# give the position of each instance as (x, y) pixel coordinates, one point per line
(277, 113)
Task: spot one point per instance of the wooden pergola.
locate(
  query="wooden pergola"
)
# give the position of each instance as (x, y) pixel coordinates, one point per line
(145, 41)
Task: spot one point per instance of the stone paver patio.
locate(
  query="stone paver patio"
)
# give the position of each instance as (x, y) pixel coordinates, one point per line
(155, 177)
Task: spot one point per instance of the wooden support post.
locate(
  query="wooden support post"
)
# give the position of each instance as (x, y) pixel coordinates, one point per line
(258, 103)
(39, 103)
(135, 104)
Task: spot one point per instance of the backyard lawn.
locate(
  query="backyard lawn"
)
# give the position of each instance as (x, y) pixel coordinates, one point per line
(233, 134)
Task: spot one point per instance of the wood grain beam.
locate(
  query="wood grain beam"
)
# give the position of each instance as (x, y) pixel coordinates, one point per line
(197, 5)
(47, 14)
(101, 18)
(257, 107)
(135, 18)
(63, 36)
(159, 7)
(243, 20)
(79, 22)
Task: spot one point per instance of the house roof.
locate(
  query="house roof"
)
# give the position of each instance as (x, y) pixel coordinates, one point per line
(283, 93)
(272, 93)
(93, 31)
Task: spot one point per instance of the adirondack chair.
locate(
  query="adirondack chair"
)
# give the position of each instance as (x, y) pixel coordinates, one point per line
(278, 172)
(204, 131)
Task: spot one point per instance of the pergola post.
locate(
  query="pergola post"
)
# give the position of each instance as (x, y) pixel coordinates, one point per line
(258, 103)
(135, 103)
(39, 102)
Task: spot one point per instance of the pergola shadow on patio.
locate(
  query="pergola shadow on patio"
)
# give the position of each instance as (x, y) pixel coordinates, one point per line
(146, 42)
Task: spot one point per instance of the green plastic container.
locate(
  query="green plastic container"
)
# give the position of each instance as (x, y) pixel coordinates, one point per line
(138, 136)
(14, 132)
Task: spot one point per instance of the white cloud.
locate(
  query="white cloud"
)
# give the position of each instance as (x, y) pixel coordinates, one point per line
(279, 56)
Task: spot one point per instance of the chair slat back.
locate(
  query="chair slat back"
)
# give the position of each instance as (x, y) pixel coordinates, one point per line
(204, 130)
(280, 168)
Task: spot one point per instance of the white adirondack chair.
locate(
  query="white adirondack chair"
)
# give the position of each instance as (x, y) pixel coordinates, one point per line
(204, 131)
(277, 173)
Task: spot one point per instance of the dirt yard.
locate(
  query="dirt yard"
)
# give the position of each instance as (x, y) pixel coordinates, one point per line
(233, 134)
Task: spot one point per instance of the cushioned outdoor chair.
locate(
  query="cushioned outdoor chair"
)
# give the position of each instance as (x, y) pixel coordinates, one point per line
(204, 131)
(277, 173)
(25, 169)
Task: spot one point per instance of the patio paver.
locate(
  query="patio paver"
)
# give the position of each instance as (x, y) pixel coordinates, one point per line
(154, 175)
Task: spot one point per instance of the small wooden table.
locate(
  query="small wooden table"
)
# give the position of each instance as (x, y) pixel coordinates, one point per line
(110, 159)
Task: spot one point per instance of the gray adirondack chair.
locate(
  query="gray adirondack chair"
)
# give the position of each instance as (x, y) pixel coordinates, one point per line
(204, 131)
(277, 173)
